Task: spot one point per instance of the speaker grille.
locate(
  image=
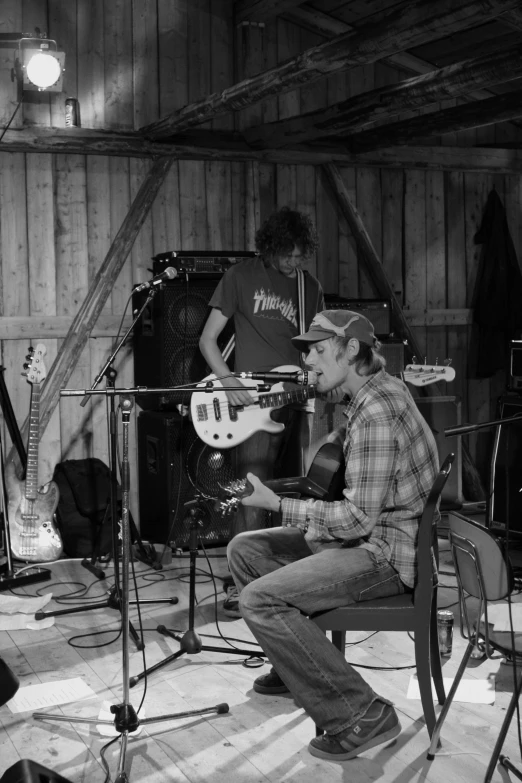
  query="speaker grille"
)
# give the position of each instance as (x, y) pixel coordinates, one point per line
(171, 460)
(166, 339)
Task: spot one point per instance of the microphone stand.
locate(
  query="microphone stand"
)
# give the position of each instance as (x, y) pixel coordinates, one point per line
(114, 598)
(126, 719)
(190, 642)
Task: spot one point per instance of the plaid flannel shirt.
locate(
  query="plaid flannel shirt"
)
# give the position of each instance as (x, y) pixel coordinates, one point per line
(391, 463)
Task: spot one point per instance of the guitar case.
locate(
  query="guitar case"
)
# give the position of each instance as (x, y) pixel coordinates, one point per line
(83, 513)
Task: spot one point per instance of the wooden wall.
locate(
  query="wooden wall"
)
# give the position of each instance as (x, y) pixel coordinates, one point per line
(132, 62)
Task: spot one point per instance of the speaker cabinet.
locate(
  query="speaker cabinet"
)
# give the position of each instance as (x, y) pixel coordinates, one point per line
(442, 413)
(505, 506)
(166, 338)
(173, 464)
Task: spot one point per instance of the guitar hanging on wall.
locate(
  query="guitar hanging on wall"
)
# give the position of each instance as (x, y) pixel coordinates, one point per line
(31, 508)
(223, 426)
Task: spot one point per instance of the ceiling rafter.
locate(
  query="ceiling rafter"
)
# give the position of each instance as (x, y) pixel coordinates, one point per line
(399, 28)
(356, 113)
(261, 10)
(476, 114)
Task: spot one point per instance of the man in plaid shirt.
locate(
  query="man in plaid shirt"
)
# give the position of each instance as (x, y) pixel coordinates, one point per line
(337, 553)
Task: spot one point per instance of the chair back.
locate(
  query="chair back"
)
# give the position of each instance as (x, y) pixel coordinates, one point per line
(427, 539)
(481, 565)
(482, 570)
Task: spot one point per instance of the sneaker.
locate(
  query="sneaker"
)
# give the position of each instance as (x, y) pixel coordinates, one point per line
(379, 724)
(231, 602)
(270, 683)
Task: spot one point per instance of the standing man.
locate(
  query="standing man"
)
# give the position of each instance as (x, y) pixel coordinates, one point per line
(261, 295)
(331, 554)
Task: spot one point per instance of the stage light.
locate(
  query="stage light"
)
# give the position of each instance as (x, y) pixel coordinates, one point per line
(39, 65)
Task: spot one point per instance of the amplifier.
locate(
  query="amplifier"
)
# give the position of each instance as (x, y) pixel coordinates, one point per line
(198, 261)
(378, 311)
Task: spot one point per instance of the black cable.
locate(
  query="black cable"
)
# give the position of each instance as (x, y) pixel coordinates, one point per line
(11, 118)
(103, 759)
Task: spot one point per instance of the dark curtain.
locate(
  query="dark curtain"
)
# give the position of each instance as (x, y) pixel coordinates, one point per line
(497, 301)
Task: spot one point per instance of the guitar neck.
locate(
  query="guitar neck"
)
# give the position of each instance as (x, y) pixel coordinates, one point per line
(278, 399)
(31, 472)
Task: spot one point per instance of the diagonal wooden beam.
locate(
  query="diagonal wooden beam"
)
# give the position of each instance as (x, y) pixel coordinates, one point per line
(369, 255)
(355, 114)
(261, 10)
(408, 24)
(477, 114)
(97, 295)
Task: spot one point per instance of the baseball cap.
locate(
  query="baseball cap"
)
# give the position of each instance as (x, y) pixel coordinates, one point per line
(336, 323)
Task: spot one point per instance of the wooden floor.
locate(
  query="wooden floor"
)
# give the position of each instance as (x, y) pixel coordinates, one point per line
(262, 738)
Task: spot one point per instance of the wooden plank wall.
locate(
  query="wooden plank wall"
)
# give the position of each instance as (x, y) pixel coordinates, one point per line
(132, 62)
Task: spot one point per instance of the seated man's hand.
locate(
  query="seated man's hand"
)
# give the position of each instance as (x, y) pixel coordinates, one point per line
(261, 497)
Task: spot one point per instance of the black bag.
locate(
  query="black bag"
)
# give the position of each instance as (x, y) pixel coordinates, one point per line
(84, 509)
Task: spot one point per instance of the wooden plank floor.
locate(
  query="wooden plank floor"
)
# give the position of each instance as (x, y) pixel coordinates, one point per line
(262, 738)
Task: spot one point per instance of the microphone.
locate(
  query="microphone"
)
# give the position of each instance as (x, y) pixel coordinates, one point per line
(302, 377)
(168, 274)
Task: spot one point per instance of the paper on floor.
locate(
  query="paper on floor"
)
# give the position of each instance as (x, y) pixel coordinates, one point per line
(471, 691)
(47, 694)
(17, 612)
(9, 604)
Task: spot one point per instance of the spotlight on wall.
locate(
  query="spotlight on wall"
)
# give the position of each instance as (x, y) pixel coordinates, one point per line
(38, 64)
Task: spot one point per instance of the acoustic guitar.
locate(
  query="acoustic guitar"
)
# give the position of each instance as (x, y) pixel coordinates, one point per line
(223, 426)
(324, 481)
(34, 537)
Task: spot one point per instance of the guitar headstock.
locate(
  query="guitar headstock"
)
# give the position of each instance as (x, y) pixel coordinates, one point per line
(231, 494)
(34, 367)
(424, 374)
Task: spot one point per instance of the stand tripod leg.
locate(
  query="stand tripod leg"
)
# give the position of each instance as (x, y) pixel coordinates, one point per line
(126, 719)
(190, 642)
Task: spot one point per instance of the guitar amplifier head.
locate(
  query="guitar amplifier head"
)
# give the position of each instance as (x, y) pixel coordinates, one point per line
(378, 311)
(198, 262)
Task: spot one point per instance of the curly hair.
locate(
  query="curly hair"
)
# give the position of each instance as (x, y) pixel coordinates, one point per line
(285, 229)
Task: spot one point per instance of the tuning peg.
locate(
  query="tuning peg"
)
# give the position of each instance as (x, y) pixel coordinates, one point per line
(26, 366)
(447, 362)
(414, 359)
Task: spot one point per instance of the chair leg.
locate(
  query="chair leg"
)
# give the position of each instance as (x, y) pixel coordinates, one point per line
(422, 661)
(434, 742)
(435, 662)
(503, 730)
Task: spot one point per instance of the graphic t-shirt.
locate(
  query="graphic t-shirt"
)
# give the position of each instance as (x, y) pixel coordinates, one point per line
(263, 303)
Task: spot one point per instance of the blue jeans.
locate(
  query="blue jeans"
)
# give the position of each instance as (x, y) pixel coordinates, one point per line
(275, 603)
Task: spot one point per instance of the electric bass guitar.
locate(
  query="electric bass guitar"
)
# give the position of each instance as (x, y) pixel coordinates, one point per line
(31, 508)
(223, 426)
(324, 481)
